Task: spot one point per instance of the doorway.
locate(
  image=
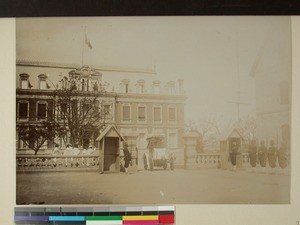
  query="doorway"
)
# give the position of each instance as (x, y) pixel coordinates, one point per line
(111, 153)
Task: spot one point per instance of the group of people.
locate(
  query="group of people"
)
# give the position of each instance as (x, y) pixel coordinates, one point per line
(262, 154)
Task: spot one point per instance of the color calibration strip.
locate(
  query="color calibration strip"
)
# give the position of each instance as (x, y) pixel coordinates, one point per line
(152, 215)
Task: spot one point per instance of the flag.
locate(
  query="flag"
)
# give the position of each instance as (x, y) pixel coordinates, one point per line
(87, 42)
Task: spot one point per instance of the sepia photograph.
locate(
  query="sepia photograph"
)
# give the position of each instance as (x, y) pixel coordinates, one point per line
(153, 110)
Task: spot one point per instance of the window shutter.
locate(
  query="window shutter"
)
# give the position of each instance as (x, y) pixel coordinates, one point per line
(126, 113)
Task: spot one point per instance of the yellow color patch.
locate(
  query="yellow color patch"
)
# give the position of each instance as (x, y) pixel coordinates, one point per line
(140, 217)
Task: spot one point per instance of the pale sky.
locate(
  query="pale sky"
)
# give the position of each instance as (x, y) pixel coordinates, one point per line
(207, 52)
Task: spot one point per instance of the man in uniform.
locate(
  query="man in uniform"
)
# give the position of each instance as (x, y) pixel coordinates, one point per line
(262, 154)
(272, 155)
(253, 153)
(127, 157)
(233, 153)
(282, 156)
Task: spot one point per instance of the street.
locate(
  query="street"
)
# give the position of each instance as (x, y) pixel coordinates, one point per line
(204, 186)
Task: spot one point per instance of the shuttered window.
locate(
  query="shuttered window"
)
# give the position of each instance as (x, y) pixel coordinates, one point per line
(172, 114)
(142, 113)
(157, 114)
(41, 110)
(126, 113)
(23, 110)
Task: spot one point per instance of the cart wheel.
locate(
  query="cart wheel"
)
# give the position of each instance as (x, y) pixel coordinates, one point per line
(145, 162)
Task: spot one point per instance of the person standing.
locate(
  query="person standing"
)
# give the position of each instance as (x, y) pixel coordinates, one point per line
(272, 155)
(127, 157)
(233, 153)
(282, 156)
(262, 154)
(67, 152)
(253, 153)
(55, 152)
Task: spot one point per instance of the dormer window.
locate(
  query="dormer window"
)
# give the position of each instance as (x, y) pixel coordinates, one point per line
(171, 87)
(156, 87)
(96, 86)
(125, 85)
(141, 86)
(83, 85)
(24, 81)
(180, 86)
(43, 81)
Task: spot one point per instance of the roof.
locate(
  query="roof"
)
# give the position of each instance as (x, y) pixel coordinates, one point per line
(236, 129)
(110, 130)
(38, 63)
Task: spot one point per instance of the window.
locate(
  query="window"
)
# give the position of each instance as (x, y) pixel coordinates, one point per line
(156, 87)
(172, 140)
(126, 88)
(23, 110)
(24, 84)
(63, 110)
(141, 86)
(86, 107)
(125, 85)
(24, 81)
(157, 114)
(41, 111)
(20, 143)
(84, 85)
(43, 85)
(171, 87)
(106, 110)
(142, 114)
(172, 114)
(126, 113)
(96, 86)
(42, 81)
(284, 93)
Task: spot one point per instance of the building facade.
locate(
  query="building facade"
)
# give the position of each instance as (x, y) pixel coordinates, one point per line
(272, 72)
(137, 108)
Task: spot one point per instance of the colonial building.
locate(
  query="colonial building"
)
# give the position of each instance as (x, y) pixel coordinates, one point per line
(136, 106)
(273, 78)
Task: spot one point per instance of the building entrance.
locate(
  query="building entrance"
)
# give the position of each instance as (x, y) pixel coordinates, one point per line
(111, 153)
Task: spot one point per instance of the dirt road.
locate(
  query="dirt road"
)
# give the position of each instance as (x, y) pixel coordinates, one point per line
(208, 186)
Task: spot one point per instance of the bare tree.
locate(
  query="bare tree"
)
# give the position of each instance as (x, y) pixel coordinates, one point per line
(248, 126)
(81, 112)
(208, 132)
(35, 135)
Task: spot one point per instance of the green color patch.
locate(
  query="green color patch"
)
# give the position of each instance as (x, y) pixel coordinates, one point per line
(103, 218)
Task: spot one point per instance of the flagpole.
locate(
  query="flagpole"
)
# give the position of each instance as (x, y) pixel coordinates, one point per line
(83, 40)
